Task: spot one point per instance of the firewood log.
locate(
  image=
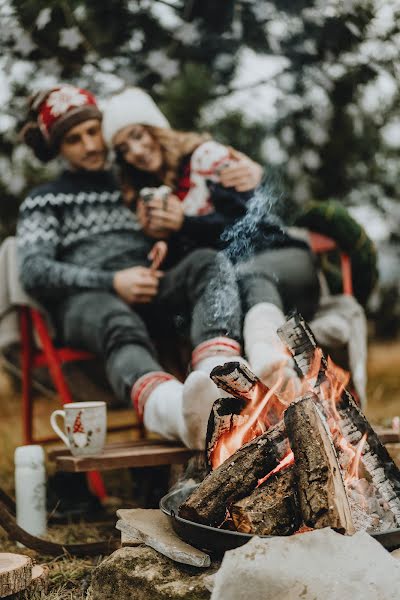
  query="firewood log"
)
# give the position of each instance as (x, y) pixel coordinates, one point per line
(15, 573)
(224, 416)
(375, 458)
(322, 495)
(235, 478)
(237, 379)
(272, 509)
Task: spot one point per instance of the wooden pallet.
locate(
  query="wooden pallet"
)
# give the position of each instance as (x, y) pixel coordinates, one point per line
(141, 453)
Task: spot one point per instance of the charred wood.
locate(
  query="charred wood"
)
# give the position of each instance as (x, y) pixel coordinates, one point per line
(235, 478)
(225, 415)
(322, 495)
(272, 509)
(237, 379)
(375, 458)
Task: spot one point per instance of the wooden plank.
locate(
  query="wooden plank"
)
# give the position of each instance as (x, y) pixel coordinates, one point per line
(119, 458)
(388, 436)
(63, 451)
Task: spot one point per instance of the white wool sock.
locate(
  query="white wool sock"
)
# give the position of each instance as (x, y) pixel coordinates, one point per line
(180, 412)
(162, 412)
(265, 351)
(206, 365)
(199, 394)
(215, 352)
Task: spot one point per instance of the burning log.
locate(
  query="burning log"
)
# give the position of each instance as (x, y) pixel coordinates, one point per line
(272, 509)
(225, 415)
(235, 478)
(236, 379)
(322, 495)
(383, 472)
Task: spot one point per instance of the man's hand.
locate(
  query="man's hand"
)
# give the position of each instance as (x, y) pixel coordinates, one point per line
(137, 285)
(157, 255)
(243, 174)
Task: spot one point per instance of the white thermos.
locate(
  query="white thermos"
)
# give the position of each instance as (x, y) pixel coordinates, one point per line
(30, 489)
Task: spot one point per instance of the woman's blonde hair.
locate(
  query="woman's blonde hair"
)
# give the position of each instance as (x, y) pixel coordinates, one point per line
(175, 145)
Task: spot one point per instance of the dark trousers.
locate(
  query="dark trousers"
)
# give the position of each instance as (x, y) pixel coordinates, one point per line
(286, 277)
(201, 290)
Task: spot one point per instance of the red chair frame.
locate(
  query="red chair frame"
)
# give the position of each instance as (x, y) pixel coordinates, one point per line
(320, 244)
(31, 320)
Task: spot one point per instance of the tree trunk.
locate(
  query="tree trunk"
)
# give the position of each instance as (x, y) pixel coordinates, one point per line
(15, 573)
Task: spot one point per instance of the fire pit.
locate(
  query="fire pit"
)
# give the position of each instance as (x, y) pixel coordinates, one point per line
(217, 541)
(282, 465)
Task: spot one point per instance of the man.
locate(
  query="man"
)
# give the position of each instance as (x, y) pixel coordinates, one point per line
(82, 254)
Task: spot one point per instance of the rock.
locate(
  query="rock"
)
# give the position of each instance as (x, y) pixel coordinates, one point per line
(153, 528)
(396, 554)
(141, 573)
(320, 565)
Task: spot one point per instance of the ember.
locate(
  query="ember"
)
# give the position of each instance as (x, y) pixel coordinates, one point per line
(323, 463)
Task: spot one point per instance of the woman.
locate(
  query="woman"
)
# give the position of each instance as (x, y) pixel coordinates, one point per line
(212, 187)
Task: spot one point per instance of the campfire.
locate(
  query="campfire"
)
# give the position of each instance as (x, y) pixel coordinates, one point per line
(281, 465)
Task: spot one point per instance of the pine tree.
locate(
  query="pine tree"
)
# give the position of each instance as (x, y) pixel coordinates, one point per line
(326, 137)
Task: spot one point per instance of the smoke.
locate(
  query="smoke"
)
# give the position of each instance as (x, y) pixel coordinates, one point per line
(257, 228)
(260, 224)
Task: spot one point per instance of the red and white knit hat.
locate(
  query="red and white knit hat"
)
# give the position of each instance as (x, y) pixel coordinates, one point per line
(62, 108)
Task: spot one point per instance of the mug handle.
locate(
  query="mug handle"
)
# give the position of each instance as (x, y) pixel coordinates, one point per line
(53, 423)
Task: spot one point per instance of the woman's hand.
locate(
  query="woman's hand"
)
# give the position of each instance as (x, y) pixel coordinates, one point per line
(161, 215)
(143, 216)
(137, 285)
(243, 174)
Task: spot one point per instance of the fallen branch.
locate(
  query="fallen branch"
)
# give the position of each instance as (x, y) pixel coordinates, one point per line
(17, 534)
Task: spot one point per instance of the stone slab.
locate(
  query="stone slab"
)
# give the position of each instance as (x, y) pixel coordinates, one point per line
(320, 565)
(141, 573)
(153, 528)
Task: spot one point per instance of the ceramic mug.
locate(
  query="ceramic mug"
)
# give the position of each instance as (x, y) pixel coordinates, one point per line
(85, 425)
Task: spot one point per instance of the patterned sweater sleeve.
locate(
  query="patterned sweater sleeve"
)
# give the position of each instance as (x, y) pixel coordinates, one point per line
(42, 275)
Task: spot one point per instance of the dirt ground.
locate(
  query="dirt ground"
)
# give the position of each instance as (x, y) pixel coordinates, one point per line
(69, 578)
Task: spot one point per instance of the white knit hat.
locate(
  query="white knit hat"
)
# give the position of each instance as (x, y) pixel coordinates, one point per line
(131, 106)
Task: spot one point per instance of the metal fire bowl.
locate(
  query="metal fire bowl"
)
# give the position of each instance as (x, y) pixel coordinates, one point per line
(217, 541)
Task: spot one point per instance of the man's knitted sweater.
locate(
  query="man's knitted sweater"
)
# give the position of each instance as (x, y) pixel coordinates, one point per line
(74, 233)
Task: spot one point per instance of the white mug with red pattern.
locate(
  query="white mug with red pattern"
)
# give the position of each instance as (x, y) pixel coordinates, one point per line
(85, 426)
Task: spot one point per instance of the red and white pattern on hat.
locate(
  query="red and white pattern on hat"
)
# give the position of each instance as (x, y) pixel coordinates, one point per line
(59, 102)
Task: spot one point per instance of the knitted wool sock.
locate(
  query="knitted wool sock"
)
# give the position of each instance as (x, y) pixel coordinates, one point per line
(173, 410)
(157, 398)
(265, 351)
(199, 394)
(214, 352)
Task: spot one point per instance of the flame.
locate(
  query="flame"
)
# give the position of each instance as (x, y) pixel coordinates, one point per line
(256, 421)
(285, 462)
(266, 409)
(353, 471)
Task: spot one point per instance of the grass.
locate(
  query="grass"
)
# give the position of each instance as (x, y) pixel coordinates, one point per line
(69, 577)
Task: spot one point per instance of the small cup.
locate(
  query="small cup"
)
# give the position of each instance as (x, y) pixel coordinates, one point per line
(85, 425)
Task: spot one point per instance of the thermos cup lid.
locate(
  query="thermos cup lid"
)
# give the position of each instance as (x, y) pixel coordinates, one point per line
(26, 456)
